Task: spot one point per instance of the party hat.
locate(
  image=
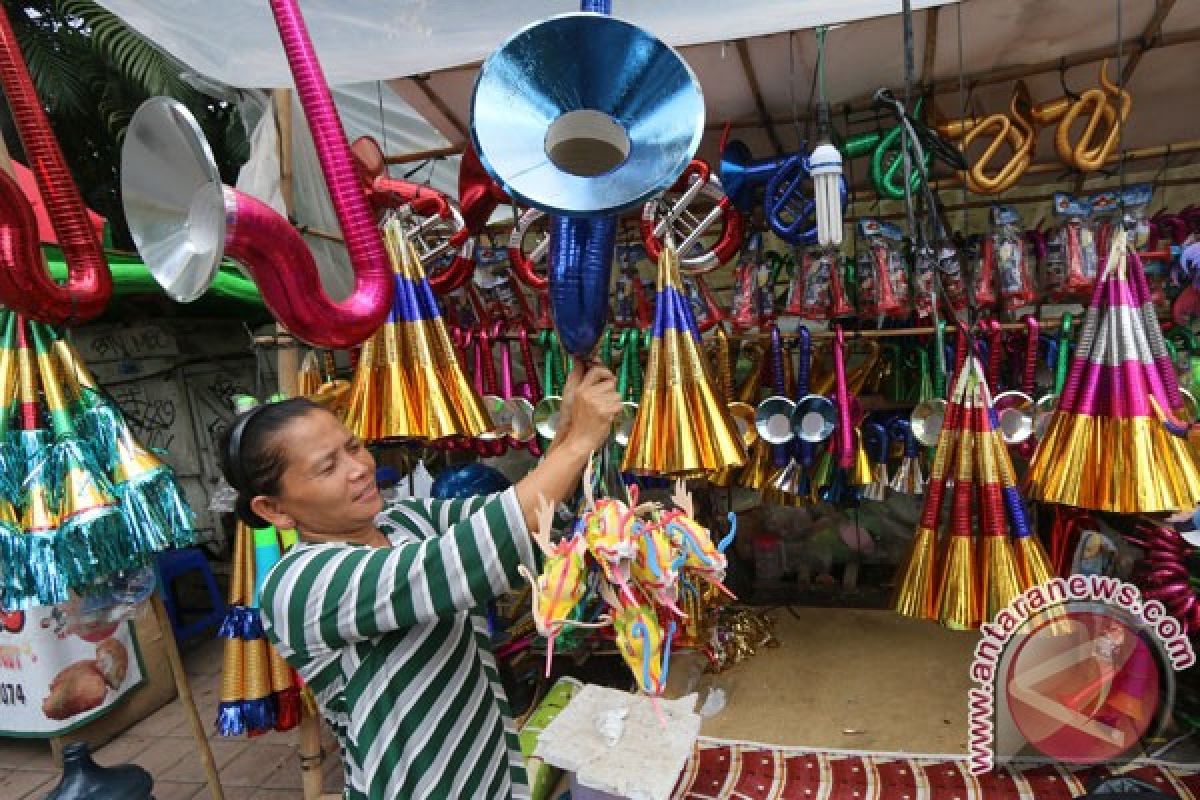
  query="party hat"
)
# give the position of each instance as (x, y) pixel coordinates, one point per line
(424, 393)
(308, 377)
(284, 689)
(915, 584)
(723, 369)
(999, 579)
(909, 478)
(878, 447)
(364, 413)
(1107, 446)
(92, 539)
(681, 428)
(258, 703)
(956, 599)
(1032, 561)
(156, 513)
(230, 721)
(229, 709)
(45, 583)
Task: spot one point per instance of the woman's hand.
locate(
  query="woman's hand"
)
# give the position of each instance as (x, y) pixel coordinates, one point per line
(589, 406)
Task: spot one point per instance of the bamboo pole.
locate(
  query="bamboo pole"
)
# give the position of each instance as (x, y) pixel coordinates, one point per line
(186, 699)
(424, 155)
(283, 124)
(287, 364)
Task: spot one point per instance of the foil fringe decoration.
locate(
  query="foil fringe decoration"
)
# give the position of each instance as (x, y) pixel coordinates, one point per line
(83, 499)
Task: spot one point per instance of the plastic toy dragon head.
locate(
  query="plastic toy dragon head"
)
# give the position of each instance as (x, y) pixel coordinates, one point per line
(642, 642)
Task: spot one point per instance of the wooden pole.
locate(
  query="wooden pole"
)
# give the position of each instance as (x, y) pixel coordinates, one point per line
(287, 365)
(752, 81)
(186, 699)
(424, 155)
(282, 101)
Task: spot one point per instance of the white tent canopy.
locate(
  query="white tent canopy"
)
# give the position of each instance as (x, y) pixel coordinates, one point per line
(755, 60)
(235, 41)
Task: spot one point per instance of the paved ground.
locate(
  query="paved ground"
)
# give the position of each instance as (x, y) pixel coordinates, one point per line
(251, 769)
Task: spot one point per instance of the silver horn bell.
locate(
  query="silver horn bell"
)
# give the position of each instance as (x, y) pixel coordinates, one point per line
(173, 197)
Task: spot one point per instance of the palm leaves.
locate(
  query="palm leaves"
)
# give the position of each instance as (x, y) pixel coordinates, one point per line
(92, 71)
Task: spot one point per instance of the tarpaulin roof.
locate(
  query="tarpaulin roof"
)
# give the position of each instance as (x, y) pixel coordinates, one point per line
(755, 60)
(235, 41)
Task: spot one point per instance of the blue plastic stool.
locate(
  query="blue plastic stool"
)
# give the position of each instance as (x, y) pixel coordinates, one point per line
(173, 564)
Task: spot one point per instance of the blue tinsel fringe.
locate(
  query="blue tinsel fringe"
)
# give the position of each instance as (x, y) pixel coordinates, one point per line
(259, 715)
(230, 721)
(231, 625)
(252, 626)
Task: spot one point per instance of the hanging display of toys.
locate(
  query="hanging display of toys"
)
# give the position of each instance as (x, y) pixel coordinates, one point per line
(640, 562)
(883, 289)
(1108, 420)
(1014, 133)
(681, 428)
(970, 578)
(259, 691)
(1106, 110)
(409, 383)
(90, 500)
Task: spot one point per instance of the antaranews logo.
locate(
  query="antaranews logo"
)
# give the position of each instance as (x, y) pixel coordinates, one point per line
(1078, 669)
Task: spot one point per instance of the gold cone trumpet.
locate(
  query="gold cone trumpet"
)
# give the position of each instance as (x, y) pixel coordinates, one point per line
(682, 428)
(409, 383)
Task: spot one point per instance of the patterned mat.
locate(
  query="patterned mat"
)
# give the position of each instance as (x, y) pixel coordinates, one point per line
(752, 772)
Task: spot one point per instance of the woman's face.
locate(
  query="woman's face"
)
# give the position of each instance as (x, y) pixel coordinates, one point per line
(328, 485)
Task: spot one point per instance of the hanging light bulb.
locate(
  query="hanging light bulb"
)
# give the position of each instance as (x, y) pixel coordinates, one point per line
(825, 166)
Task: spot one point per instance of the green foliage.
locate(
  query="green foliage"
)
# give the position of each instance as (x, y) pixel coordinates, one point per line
(92, 71)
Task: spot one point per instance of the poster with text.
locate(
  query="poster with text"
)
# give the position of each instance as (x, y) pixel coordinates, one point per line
(56, 676)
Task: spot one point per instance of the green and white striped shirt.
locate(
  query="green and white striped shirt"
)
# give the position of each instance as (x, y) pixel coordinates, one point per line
(395, 646)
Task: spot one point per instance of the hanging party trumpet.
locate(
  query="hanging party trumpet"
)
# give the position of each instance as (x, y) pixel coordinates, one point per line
(431, 221)
(887, 159)
(183, 220)
(581, 139)
(1106, 109)
(722, 221)
(1015, 130)
(25, 282)
(787, 200)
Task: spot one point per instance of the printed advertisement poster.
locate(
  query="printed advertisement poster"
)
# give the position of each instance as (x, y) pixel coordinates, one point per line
(55, 677)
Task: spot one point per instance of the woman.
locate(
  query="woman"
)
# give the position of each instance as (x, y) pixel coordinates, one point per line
(378, 611)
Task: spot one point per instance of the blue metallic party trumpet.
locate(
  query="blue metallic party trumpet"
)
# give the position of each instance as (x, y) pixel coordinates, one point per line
(584, 116)
(787, 199)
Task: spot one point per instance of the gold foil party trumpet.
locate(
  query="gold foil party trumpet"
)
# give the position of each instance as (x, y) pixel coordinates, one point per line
(682, 428)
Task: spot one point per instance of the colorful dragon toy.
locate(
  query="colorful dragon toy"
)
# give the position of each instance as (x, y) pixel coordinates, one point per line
(635, 559)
